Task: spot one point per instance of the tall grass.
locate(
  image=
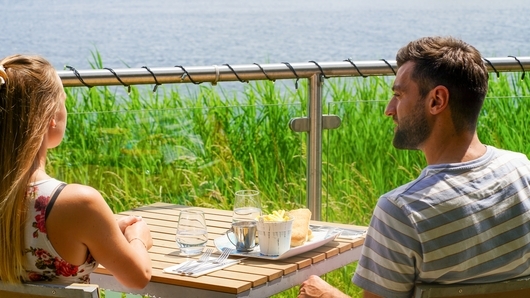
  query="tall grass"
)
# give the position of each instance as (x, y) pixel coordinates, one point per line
(197, 145)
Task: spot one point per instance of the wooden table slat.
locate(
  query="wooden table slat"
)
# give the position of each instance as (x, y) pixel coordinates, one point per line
(242, 276)
(329, 251)
(301, 262)
(207, 282)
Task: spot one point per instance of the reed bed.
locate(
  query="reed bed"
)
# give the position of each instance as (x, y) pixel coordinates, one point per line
(197, 145)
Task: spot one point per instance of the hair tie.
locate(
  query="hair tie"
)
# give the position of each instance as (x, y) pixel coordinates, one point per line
(3, 75)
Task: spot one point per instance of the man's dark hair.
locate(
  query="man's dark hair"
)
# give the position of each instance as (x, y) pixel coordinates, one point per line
(454, 64)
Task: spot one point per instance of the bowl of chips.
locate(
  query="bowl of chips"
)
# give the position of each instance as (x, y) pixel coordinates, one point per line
(274, 233)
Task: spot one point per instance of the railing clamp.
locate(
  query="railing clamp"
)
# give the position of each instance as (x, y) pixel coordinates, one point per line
(302, 124)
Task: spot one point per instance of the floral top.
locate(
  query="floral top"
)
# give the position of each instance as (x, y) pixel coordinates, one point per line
(42, 262)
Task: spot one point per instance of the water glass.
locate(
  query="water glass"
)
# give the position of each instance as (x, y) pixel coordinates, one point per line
(247, 205)
(192, 234)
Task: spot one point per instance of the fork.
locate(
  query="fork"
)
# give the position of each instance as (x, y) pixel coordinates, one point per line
(203, 259)
(219, 261)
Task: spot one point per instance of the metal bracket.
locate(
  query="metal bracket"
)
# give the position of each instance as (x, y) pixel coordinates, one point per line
(302, 124)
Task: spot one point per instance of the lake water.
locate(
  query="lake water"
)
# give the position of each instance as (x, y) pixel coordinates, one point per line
(162, 33)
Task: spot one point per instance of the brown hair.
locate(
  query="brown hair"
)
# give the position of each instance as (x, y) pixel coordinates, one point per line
(454, 64)
(29, 100)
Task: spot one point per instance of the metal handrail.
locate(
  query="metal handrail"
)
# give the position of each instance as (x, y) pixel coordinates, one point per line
(313, 71)
(248, 72)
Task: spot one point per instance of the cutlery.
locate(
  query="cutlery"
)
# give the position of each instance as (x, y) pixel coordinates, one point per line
(208, 265)
(213, 266)
(192, 264)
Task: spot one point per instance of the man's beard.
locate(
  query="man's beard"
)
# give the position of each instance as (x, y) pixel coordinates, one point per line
(412, 130)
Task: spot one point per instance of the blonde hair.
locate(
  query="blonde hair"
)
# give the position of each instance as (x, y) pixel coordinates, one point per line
(29, 99)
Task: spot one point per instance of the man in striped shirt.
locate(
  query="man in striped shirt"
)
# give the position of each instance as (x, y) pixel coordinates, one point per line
(465, 219)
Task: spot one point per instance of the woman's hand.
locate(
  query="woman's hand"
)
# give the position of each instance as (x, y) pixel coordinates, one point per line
(124, 222)
(139, 230)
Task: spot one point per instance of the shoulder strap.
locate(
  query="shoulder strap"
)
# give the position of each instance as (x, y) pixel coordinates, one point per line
(53, 198)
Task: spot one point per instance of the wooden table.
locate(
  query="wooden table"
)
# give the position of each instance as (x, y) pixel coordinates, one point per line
(251, 278)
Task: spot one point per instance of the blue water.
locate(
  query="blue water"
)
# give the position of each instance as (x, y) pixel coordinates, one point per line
(162, 33)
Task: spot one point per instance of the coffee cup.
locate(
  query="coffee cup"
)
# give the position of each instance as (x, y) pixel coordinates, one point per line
(242, 235)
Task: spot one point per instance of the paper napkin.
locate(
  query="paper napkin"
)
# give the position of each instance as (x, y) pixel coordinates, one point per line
(227, 263)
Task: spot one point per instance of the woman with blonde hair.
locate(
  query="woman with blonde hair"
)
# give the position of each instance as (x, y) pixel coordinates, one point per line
(49, 230)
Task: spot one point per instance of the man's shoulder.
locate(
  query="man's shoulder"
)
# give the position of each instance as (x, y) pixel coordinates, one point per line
(505, 152)
(510, 159)
(402, 194)
(431, 179)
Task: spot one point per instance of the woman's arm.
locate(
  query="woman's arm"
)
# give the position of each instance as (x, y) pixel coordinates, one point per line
(82, 215)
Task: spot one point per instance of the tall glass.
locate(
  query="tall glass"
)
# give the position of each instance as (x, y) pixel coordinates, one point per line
(192, 234)
(247, 205)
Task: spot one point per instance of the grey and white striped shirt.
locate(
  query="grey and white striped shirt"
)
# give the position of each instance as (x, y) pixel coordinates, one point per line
(456, 223)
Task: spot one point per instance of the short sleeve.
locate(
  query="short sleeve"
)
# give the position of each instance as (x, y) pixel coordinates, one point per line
(391, 252)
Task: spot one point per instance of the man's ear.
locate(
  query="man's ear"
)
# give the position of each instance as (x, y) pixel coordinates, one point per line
(439, 99)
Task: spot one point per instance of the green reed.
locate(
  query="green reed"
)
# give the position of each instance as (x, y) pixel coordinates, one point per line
(197, 145)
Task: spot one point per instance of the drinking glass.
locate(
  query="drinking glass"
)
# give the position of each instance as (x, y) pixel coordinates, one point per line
(191, 232)
(247, 205)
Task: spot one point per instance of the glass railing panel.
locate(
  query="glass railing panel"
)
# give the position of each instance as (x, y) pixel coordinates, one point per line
(196, 155)
(359, 161)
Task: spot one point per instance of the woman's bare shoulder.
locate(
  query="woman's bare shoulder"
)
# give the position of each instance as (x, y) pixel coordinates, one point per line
(81, 198)
(81, 191)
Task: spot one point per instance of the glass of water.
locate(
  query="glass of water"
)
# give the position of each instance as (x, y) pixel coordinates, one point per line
(247, 205)
(192, 234)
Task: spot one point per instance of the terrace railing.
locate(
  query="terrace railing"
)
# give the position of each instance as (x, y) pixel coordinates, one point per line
(313, 124)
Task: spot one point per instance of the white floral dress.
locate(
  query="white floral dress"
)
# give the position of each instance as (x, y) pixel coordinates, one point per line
(42, 262)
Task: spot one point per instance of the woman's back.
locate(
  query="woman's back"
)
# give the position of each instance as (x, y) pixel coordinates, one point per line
(42, 262)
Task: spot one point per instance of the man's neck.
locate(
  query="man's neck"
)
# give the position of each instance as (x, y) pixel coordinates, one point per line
(454, 150)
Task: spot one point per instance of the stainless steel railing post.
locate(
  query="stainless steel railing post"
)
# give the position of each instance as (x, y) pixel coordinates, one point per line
(314, 145)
